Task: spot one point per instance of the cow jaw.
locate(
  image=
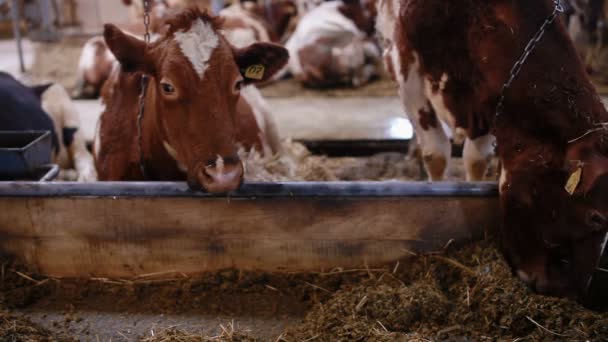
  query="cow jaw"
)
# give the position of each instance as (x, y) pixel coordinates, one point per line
(173, 153)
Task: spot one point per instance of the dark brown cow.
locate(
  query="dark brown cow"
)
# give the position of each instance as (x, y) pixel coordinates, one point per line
(451, 59)
(189, 126)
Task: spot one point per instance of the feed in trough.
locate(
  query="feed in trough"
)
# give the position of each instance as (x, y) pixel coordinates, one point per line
(468, 293)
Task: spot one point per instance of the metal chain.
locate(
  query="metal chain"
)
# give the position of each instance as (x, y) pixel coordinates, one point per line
(527, 51)
(147, 20)
(142, 95)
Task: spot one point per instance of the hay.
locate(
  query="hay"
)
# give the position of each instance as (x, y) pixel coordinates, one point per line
(296, 163)
(15, 328)
(293, 163)
(468, 294)
(437, 300)
(228, 333)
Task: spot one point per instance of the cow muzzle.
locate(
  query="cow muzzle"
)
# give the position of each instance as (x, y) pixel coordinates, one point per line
(220, 176)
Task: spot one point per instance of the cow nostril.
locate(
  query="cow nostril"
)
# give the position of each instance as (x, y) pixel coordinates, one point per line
(595, 220)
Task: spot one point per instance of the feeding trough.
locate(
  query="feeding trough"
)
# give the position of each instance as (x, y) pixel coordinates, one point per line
(26, 156)
(128, 229)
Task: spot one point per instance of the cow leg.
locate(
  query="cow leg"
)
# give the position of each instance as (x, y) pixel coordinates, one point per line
(477, 155)
(436, 149)
(57, 103)
(434, 143)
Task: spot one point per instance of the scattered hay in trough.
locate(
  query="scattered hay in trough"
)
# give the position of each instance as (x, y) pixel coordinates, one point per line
(296, 163)
(468, 294)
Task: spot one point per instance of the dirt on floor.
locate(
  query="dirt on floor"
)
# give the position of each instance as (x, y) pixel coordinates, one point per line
(464, 294)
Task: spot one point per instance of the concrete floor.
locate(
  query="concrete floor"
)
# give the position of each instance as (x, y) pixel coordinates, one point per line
(313, 118)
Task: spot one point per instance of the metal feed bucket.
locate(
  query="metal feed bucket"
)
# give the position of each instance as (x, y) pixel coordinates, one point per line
(26, 155)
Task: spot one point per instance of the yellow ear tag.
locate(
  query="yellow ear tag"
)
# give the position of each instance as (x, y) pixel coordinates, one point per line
(574, 181)
(255, 71)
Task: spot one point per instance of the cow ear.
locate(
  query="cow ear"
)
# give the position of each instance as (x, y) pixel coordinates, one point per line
(260, 61)
(132, 53)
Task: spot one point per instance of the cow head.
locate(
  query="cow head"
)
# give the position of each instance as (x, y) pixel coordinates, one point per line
(556, 218)
(195, 82)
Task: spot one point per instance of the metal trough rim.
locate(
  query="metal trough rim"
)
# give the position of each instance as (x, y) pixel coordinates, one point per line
(252, 189)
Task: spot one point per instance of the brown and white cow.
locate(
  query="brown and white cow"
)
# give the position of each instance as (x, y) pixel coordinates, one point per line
(194, 115)
(451, 59)
(331, 46)
(247, 22)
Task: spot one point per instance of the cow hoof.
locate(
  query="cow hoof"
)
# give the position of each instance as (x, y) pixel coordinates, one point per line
(476, 170)
(435, 166)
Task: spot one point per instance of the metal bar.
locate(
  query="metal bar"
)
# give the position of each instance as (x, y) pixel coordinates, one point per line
(251, 190)
(51, 173)
(15, 21)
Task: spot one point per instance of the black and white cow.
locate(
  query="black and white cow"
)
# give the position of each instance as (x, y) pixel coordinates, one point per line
(47, 107)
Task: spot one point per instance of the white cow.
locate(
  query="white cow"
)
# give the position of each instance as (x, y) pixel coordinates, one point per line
(330, 47)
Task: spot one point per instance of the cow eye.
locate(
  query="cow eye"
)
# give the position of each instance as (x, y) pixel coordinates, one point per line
(238, 85)
(167, 88)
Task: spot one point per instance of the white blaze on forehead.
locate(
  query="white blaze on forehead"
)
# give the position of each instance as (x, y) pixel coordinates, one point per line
(197, 44)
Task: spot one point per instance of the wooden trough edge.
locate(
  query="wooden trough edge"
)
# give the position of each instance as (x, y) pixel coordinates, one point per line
(125, 230)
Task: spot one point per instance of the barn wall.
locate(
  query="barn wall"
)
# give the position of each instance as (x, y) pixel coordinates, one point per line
(94, 13)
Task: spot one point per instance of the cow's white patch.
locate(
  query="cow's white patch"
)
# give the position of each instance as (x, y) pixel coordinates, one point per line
(438, 102)
(264, 118)
(387, 18)
(173, 153)
(219, 164)
(96, 140)
(475, 151)
(434, 142)
(240, 37)
(324, 22)
(197, 44)
(503, 179)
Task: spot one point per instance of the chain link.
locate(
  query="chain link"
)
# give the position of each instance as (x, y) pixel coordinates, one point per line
(142, 95)
(147, 21)
(516, 69)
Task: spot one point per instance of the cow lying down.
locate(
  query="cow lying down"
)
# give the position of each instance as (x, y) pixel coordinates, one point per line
(330, 47)
(47, 107)
(200, 105)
